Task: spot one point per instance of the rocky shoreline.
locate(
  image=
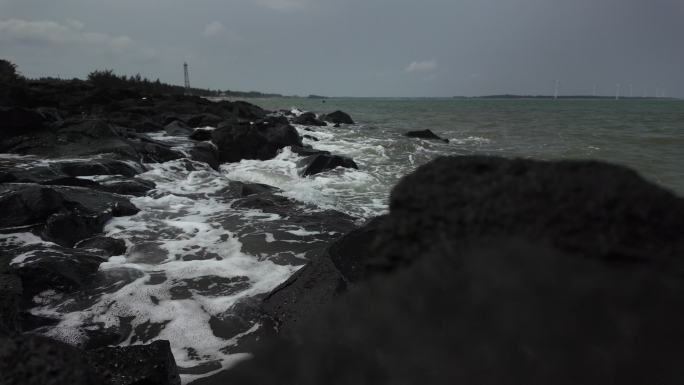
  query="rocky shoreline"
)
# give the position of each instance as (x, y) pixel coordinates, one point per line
(485, 270)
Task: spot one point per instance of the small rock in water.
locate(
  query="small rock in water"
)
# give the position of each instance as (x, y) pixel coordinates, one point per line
(338, 117)
(425, 134)
(318, 163)
(308, 119)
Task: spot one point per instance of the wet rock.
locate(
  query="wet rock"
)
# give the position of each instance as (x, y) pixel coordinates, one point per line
(105, 246)
(338, 117)
(208, 286)
(308, 119)
(10, 296)
(500, 271)
(201, 134)
(43, 268)
(133, 186)
(237, 141)
(306, 150)
(178, 128)
(300, 298)
(33, 360)
(315, 164)
(140, 364)
(315, 139)
(204, 120)
(206, 152)
(247, 189)
(425, 134)
(156, 153)
(67, 214)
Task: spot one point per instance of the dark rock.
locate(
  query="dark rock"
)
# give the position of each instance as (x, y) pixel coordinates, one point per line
(133, 186)
(603, 211)
(98, 167)
(206, 152)
(315, 139)
(496, 312)
(492, 271)
(54, 268)
(303, 295)
(337, 125)
(350, 253)
(237, 141)
(248, 189)
(338, 117)
(33, 360)
(17, 121)
(307, 151)
(178, 128)
(201, 134)
(10, 296)
(67, 214)
(105, 246)
(67, 228)
(322, 162)
(308, 119)
(425, 134)
(156, 153)
(151, 364)
(204, 120)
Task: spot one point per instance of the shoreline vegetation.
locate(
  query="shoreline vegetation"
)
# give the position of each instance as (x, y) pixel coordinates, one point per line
(484, 270)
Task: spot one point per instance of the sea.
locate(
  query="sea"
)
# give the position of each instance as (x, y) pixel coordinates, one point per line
(192, 257)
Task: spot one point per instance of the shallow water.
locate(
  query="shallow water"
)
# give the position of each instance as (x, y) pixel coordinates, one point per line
(192, 256)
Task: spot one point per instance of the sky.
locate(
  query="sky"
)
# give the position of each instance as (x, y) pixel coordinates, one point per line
(393, 48)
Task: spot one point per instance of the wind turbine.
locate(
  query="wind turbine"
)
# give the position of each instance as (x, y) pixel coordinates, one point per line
(617, 92)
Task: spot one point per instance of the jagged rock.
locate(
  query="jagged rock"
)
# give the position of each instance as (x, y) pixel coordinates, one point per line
(308, 119)
(67, 214)
(201, 134)
(318, 163)
(132, 186)
(33, 360)
(10, 296)
(156, 153)
(178, 128)
(307, 150)
(315, 139)
(204, 120)
(105, 246)
(50, 267)
(132, 365)
(262, 140)
(425, 134)
(206, 152)
(338, 117)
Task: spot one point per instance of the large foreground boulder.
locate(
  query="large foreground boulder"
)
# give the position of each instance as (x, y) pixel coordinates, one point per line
(492, 271)
(262, 140)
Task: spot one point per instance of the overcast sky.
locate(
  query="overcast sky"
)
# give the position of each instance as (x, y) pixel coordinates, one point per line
(358, 47)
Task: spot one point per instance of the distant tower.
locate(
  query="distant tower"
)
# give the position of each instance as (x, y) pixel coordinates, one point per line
(555, 93)
(187, 78)
(617, 92)
(593, 92)
(631, 88)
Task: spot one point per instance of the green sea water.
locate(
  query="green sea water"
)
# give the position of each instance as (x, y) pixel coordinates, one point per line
(647, 135)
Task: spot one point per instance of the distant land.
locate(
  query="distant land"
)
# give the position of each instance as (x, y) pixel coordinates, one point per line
(509, 96)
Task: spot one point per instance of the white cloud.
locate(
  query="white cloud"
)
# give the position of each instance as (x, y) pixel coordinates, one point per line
(284, 5)
(422, 66)
(51, 32)
(214, 28)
